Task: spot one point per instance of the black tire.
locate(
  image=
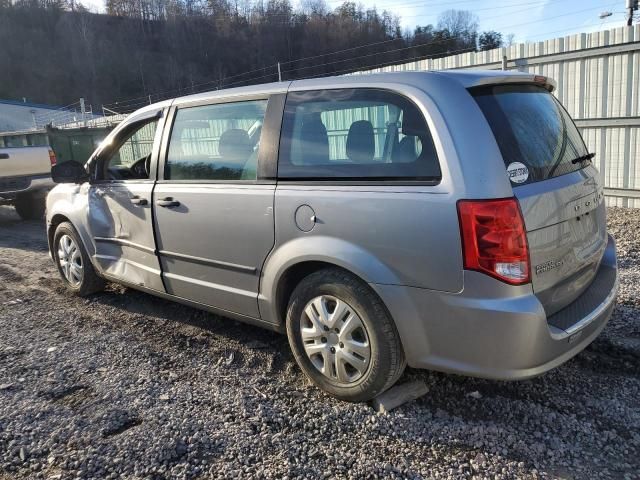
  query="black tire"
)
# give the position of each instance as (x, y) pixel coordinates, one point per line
(387, 361)
(30, 206)
(90, 282)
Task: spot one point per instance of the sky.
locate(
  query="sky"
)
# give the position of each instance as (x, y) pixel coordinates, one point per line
(527, 20)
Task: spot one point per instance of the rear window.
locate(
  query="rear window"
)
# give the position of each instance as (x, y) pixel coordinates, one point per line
(537, 137)
(355, 134)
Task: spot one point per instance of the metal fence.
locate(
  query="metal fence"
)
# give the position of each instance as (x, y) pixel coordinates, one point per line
(598, 77)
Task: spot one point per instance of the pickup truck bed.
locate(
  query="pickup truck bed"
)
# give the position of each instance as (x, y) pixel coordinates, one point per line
(25, 179)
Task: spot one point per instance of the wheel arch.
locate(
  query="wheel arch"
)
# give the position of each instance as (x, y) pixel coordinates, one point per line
(61, 216)
(56, 220)
(290, 263)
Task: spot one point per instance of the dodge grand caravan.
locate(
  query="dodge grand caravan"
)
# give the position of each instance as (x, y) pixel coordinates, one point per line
(446, 220)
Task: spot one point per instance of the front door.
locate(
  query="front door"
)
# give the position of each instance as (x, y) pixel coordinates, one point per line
(214, 216)
(120, 207)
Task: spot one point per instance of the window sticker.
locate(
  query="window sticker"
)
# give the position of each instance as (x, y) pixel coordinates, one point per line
(518, 172)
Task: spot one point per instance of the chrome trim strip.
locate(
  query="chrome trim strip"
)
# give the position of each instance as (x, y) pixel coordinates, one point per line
(125, 243)
(206, 261)
(599, 310)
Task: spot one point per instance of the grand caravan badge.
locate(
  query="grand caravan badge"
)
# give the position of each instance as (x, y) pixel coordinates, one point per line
(518, 172)
(550, 265)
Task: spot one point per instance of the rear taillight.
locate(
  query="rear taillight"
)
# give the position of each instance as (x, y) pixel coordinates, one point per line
(52, 157)
(494, 240)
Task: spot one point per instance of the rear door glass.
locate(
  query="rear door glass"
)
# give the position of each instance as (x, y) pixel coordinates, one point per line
(532, 128)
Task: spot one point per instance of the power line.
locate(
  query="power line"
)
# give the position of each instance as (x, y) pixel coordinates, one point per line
(211, 82)
(416, 58)
(538, 2)
(444, 40)
(217, 83)
(425, 4)
(405, 48)
(130, 103)
(384, 64)
(384, 41)
(126, 102)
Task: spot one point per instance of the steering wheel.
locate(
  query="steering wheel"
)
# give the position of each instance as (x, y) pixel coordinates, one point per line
(140, 169)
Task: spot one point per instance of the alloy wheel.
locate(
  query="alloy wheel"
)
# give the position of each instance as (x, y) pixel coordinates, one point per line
(70, 260)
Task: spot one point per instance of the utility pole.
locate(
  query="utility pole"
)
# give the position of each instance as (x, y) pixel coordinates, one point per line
(83, 112)
(279, 73)
(631, 6)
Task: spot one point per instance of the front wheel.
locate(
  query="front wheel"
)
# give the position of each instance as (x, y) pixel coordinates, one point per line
(73, 262)
(342, 336)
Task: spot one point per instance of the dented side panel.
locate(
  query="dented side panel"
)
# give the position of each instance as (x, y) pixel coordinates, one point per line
(122, 233)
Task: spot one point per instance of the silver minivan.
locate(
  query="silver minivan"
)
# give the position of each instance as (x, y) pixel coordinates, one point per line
(443, 220)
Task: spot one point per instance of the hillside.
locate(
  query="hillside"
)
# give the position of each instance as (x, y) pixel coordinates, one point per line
(56, 53)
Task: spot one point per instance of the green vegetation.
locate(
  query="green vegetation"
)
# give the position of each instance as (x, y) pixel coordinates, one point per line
(53, 51)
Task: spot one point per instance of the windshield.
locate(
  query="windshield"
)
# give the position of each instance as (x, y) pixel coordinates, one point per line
(537, 137)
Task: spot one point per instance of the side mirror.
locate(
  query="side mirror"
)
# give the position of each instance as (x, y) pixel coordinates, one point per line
(69, 172)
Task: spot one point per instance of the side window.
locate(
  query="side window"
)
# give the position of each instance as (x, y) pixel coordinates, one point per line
(131, 160)
(355, 134)
(216, 142)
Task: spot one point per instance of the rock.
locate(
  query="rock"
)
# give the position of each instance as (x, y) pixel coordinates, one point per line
(399, 395)
(480, 459)
(230, 358)
(51, 349)
(131, 401)
(477, 395)
(13, 302)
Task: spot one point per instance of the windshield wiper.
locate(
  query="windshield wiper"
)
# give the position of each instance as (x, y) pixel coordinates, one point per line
(583, 158)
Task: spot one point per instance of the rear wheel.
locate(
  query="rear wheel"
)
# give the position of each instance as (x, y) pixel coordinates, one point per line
(73, 262)
(30, 206)
(343, 337)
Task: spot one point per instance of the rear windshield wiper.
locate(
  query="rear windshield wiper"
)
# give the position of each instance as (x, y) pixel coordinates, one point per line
(583, 158)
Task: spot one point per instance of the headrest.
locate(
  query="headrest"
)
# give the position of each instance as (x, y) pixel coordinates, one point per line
(235, 144)
(413, 123)
(361, 144)
(314, 140)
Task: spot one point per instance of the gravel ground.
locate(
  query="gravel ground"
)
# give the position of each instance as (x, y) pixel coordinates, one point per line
(125, 385)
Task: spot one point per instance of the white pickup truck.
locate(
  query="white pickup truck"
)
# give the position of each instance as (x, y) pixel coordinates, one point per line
(25, 179)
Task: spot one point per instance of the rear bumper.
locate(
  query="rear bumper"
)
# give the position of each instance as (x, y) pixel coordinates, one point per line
(12, 187)
(493, 330)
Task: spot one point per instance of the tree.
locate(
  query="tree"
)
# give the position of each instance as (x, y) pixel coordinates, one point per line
(314, 7)
(489, 40)
(155, 49)
(509, 40)
(459, 23)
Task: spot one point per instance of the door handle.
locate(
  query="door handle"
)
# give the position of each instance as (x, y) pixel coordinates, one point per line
(168, 202)
(138, 201)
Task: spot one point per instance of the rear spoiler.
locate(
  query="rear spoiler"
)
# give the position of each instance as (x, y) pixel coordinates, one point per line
(546, 82)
